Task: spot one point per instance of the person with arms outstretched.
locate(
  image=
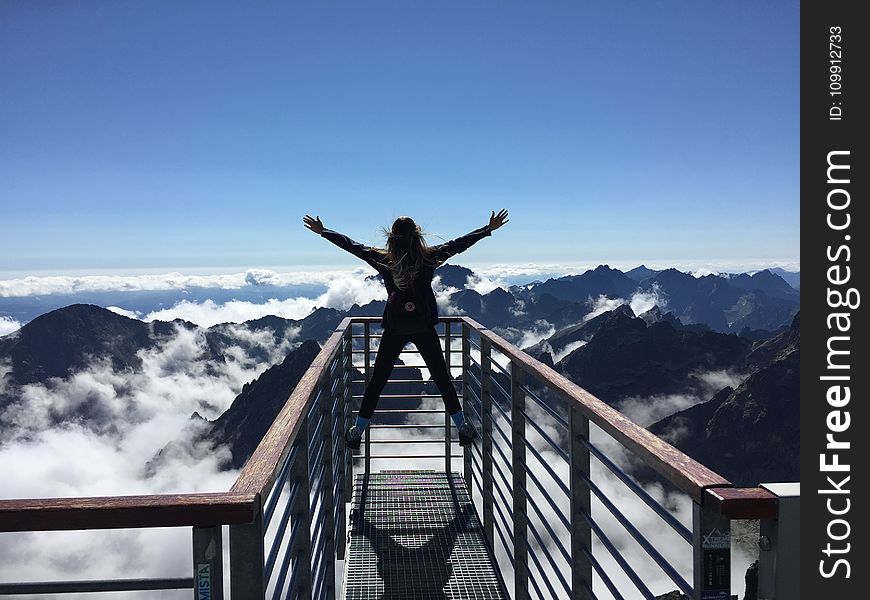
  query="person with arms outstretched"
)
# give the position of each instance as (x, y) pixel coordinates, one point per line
(407, 265)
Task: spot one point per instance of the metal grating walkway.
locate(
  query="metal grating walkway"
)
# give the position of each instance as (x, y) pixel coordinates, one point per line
(415, 535)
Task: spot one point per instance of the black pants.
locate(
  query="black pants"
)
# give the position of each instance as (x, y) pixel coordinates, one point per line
(428, 344)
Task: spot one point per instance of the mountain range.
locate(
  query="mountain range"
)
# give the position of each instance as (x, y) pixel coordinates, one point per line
(747, 432)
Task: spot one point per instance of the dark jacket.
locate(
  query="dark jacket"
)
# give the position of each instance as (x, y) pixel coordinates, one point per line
(422, 286)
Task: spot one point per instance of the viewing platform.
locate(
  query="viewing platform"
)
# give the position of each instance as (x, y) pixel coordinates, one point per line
(537, 507)
(415, 534)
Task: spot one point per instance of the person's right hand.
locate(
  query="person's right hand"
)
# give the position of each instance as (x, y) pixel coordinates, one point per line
(497, 220)
(314, 224)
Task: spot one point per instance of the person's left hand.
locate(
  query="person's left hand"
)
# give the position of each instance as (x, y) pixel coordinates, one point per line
(497, 220)
(314, 224)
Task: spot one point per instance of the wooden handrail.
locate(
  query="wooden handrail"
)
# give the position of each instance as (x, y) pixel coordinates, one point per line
(116, 512)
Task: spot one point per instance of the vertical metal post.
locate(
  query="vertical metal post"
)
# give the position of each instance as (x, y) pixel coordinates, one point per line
(711, 546)
(486, 417)
(518, 470)
(300, 551)
(447, 420)
(368, 376)
(341, 416)
(780, 545)
(347, 414)
(208, 571)
(247, 558)
(466, 452)
(581, 532)
(326, 485)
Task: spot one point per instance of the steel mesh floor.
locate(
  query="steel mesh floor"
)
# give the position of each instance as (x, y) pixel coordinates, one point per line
(415, 535)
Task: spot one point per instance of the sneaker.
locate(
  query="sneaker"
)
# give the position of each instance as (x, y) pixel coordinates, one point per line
(352, 438)
(467, 433)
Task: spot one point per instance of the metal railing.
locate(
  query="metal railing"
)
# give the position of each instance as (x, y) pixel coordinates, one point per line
(534, 472)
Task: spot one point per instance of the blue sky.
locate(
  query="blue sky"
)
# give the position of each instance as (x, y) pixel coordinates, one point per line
(195, 135)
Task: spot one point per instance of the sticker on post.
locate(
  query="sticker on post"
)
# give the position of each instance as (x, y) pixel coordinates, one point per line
(716, 540)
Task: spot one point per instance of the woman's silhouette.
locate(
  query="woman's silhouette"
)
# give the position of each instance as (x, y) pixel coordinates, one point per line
(407, 265)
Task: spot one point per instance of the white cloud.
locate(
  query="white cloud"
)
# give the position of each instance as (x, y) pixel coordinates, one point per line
(341, 294)
(131, 314)
(603, 304)
(647, 410)
(483, 284)
(568, 349)
(523, 338)
(701, 386)
(642, 301)
(8, 325)
(69, 284)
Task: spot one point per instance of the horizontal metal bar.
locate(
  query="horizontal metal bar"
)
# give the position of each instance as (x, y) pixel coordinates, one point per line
(639, 538)
(98, 585)
(401, 397)
(412, 441)
(505, 524)
(545, 406)
(276, 547)
(314, 438)
(565, 554)
(495, 363)
(534, 582)
(501, 473)
(372, 336)
(603, 574)
(410, 411)
(391, 456)
(668, 518)
(405, 426)
(374, 351)
(549, 499)
(549, 556)
(546, 437)
(294, 580)
(620, 560)
(505, 393)
(474, 379)
(495, 423)
(277, 488)
(418, 381)
(548, 468)
(546, 579)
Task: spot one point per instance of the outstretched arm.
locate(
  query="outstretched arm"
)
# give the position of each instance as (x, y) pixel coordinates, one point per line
(342, 241)
(461, 244)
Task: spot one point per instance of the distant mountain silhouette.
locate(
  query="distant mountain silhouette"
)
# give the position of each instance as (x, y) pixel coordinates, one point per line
(793, 278)
(716, 302)
(68, 339)
(612, 283)
(766, 281)
(641, 273)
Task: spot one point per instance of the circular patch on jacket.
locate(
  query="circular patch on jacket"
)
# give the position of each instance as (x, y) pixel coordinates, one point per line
(409, 306)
